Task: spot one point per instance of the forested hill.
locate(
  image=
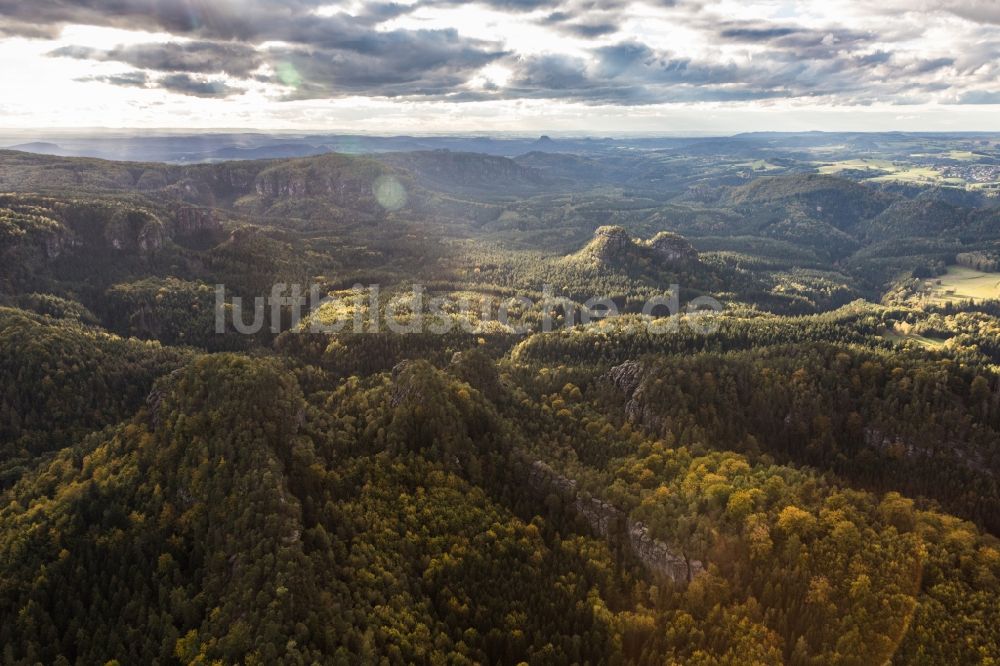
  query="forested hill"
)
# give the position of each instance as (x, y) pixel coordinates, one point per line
(807, 476)
(236, 517)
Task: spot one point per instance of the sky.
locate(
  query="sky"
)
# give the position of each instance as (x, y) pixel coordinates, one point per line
(585, 66)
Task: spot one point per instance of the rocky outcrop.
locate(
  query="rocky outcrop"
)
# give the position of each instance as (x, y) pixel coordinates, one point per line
(403, 388)
(609, 245)
(328, 180)
(59, 242)
(612, 524)
(612, 247)
(193, 221)
(659, 558)
(135, 230)
(197, 228)
(627, 379)
(887, 444)
(151, 236)
(899, 448)
(672, 248)
(281, 185)
(153, 402)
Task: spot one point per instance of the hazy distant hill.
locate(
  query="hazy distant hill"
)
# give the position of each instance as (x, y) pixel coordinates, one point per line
(488, 175)
(40, 147)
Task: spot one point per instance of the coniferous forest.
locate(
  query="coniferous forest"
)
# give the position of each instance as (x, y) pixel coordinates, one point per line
(807, 474)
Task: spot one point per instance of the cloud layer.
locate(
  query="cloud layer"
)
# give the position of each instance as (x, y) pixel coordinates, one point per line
(841, 52)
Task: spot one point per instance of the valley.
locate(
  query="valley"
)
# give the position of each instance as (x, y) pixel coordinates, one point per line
(959, 283)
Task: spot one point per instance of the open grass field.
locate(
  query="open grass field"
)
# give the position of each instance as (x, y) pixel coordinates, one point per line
(899, 337)
(886, 171)
(833, 168)
(759, 165)
(960, 284)
(917, 174)
(962, 155)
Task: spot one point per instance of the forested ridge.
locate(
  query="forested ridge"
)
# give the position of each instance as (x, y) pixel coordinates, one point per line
(807, 477)
(387, 517)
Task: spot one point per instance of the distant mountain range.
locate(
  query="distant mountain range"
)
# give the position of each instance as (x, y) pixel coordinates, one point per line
(217, 146)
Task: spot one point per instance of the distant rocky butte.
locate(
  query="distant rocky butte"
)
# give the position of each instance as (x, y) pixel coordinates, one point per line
(612, 245)
(672, 247)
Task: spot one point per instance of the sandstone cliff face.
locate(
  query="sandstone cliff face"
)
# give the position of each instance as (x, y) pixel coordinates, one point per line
(135, 231)
(190, 221)
(332, 183)
(610, 244)
(612, 524)
(672, 248)
(627, 378)
(658, 556)
(234, 177)
(150, 237)
(197, 227)
(276, 185)
(331, 186)
(402, 390)
(59, 242)
(899, 448)
(885, 443)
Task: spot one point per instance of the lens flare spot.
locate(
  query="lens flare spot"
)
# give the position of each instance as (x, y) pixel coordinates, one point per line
(389, 192)
(288, 75)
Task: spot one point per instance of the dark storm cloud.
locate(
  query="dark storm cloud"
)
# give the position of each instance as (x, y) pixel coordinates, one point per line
(247, 20)
(798, 42)
(187, 85)
(338, 55)
(874, 58)
(632, 73)
(379, 12)
(552, 72)
(183, 84)
(197, 57)
(15, 28)
(388, 64)
(926, 66)
(382, 63)
(521, 5)
(228, 19)
(590, 29)
(639, 63)
(595, 24)
(128, 79)
(755, 34)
